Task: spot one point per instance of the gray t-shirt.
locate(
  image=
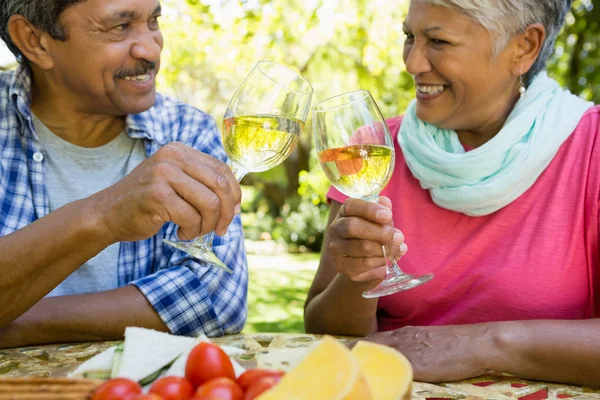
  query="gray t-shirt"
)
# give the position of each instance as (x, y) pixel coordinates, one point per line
(73, 173)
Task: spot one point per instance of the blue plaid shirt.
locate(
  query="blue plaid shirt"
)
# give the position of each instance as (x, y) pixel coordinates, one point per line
(189, 296)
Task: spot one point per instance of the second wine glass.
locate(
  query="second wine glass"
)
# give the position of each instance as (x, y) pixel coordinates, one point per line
(261, 128)
(356, 152)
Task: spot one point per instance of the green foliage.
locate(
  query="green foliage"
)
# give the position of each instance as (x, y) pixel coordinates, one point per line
(574, 63)
(301, 221)
(277, 289)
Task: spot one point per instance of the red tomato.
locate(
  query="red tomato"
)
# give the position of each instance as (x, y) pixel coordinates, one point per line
(207, 361)
(260, 386)
(149, 396)
(219, 389)
(173, 388)
(116, 389)
(246, 379)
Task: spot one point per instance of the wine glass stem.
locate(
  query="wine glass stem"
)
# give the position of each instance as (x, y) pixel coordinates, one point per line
(390, 261)
(238, 171)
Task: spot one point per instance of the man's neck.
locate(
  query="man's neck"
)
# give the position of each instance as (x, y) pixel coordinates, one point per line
(64, 119)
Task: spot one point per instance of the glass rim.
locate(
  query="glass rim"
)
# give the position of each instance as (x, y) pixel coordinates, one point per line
(259, 66)
(319, 107)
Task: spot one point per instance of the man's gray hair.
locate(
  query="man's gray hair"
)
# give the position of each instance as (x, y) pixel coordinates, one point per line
(43, 14)
(507, 18)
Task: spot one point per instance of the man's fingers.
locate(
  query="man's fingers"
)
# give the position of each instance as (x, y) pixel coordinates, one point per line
(186, 217)
(201, 198)
(213, 174)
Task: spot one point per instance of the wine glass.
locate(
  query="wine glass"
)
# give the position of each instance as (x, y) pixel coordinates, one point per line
(261, 128)
(356, 152)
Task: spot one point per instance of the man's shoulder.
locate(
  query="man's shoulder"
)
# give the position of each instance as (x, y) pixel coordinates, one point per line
(6, 78)
(169, 109)
(176, 120)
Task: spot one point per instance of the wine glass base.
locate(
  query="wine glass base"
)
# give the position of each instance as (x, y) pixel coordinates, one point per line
(396, 284)
(200, 251)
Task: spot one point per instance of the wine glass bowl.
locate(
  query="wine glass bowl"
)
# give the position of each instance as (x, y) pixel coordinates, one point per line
(356, 152)
(265, 117)
(261, 128)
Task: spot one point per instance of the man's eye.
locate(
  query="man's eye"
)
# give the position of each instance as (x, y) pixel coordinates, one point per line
(153, 22)
(122, 27)
(409, 37)
(438, 42)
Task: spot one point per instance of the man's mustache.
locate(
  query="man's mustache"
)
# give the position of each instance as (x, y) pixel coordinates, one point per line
(142, 68)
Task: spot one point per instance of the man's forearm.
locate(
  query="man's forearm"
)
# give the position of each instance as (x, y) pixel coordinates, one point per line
(35, 259)
(341, 310)
(559, 351)
(87, 317)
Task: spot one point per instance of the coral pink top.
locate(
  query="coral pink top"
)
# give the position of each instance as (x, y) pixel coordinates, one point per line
(536, 258)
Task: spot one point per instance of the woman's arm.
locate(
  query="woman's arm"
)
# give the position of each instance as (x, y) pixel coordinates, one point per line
(350, 264)
(552, 351)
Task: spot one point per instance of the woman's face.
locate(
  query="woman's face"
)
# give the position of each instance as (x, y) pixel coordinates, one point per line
(461, 84)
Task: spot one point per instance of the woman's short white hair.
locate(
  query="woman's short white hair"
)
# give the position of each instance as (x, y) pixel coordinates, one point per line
(507, 18)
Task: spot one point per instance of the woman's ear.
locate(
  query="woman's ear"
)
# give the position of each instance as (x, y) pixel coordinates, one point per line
(32, 42)
(528, 46)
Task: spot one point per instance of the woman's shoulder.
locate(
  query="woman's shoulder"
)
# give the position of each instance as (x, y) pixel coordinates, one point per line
(394, 124)
(585, 136)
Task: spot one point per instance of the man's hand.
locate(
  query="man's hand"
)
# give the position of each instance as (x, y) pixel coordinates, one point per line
(177, 184)
(356, 237)
(441, 353)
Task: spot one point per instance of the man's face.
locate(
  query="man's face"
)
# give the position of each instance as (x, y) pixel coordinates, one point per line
(109, 62)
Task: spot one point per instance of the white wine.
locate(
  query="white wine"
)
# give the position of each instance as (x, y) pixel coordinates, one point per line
(359, 171)
(261, 142)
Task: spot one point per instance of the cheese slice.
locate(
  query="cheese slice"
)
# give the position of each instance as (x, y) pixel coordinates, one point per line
(148, 351)
(101, 362)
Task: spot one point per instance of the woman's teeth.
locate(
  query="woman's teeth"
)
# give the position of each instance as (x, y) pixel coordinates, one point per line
(138, 78)
(430, 89)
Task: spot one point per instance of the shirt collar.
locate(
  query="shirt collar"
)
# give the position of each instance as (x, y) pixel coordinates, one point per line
(138, 126)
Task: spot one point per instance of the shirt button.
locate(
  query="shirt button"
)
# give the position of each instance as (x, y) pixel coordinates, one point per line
(38, 157)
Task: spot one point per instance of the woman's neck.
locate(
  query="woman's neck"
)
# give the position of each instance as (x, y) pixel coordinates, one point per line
(487, 129)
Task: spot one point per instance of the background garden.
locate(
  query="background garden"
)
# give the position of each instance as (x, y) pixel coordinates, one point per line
(339, 46)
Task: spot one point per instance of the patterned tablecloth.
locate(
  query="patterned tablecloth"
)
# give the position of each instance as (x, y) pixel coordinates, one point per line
(58, 360)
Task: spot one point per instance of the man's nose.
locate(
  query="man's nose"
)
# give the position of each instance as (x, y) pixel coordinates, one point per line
(148, 46)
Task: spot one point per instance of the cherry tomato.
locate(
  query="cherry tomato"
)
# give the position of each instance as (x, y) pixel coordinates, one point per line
(207, 361)
(149, 396)
(173, 388)
(116, 389)
(219, 389)
(260, 386)
(246, 379)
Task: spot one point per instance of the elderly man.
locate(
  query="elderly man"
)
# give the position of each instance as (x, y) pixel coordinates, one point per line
(96, 170)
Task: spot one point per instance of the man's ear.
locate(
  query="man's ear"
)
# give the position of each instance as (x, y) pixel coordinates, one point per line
(32, 42)
(528, 46)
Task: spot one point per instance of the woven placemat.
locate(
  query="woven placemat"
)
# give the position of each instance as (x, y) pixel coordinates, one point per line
(35, 388)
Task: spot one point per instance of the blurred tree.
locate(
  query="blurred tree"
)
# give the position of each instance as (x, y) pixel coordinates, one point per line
(574, 63)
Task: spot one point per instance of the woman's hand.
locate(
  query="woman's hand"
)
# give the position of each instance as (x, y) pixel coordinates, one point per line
(356, 237)
(442, 353)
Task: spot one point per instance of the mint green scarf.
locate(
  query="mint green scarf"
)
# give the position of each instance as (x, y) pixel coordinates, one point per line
(486, 179)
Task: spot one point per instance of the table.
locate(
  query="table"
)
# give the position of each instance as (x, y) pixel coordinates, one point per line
(58, 360)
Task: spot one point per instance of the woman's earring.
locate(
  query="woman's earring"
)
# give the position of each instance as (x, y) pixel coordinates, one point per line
(522, 88)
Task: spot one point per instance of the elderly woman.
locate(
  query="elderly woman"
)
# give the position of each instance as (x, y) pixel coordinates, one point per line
(496, 188)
